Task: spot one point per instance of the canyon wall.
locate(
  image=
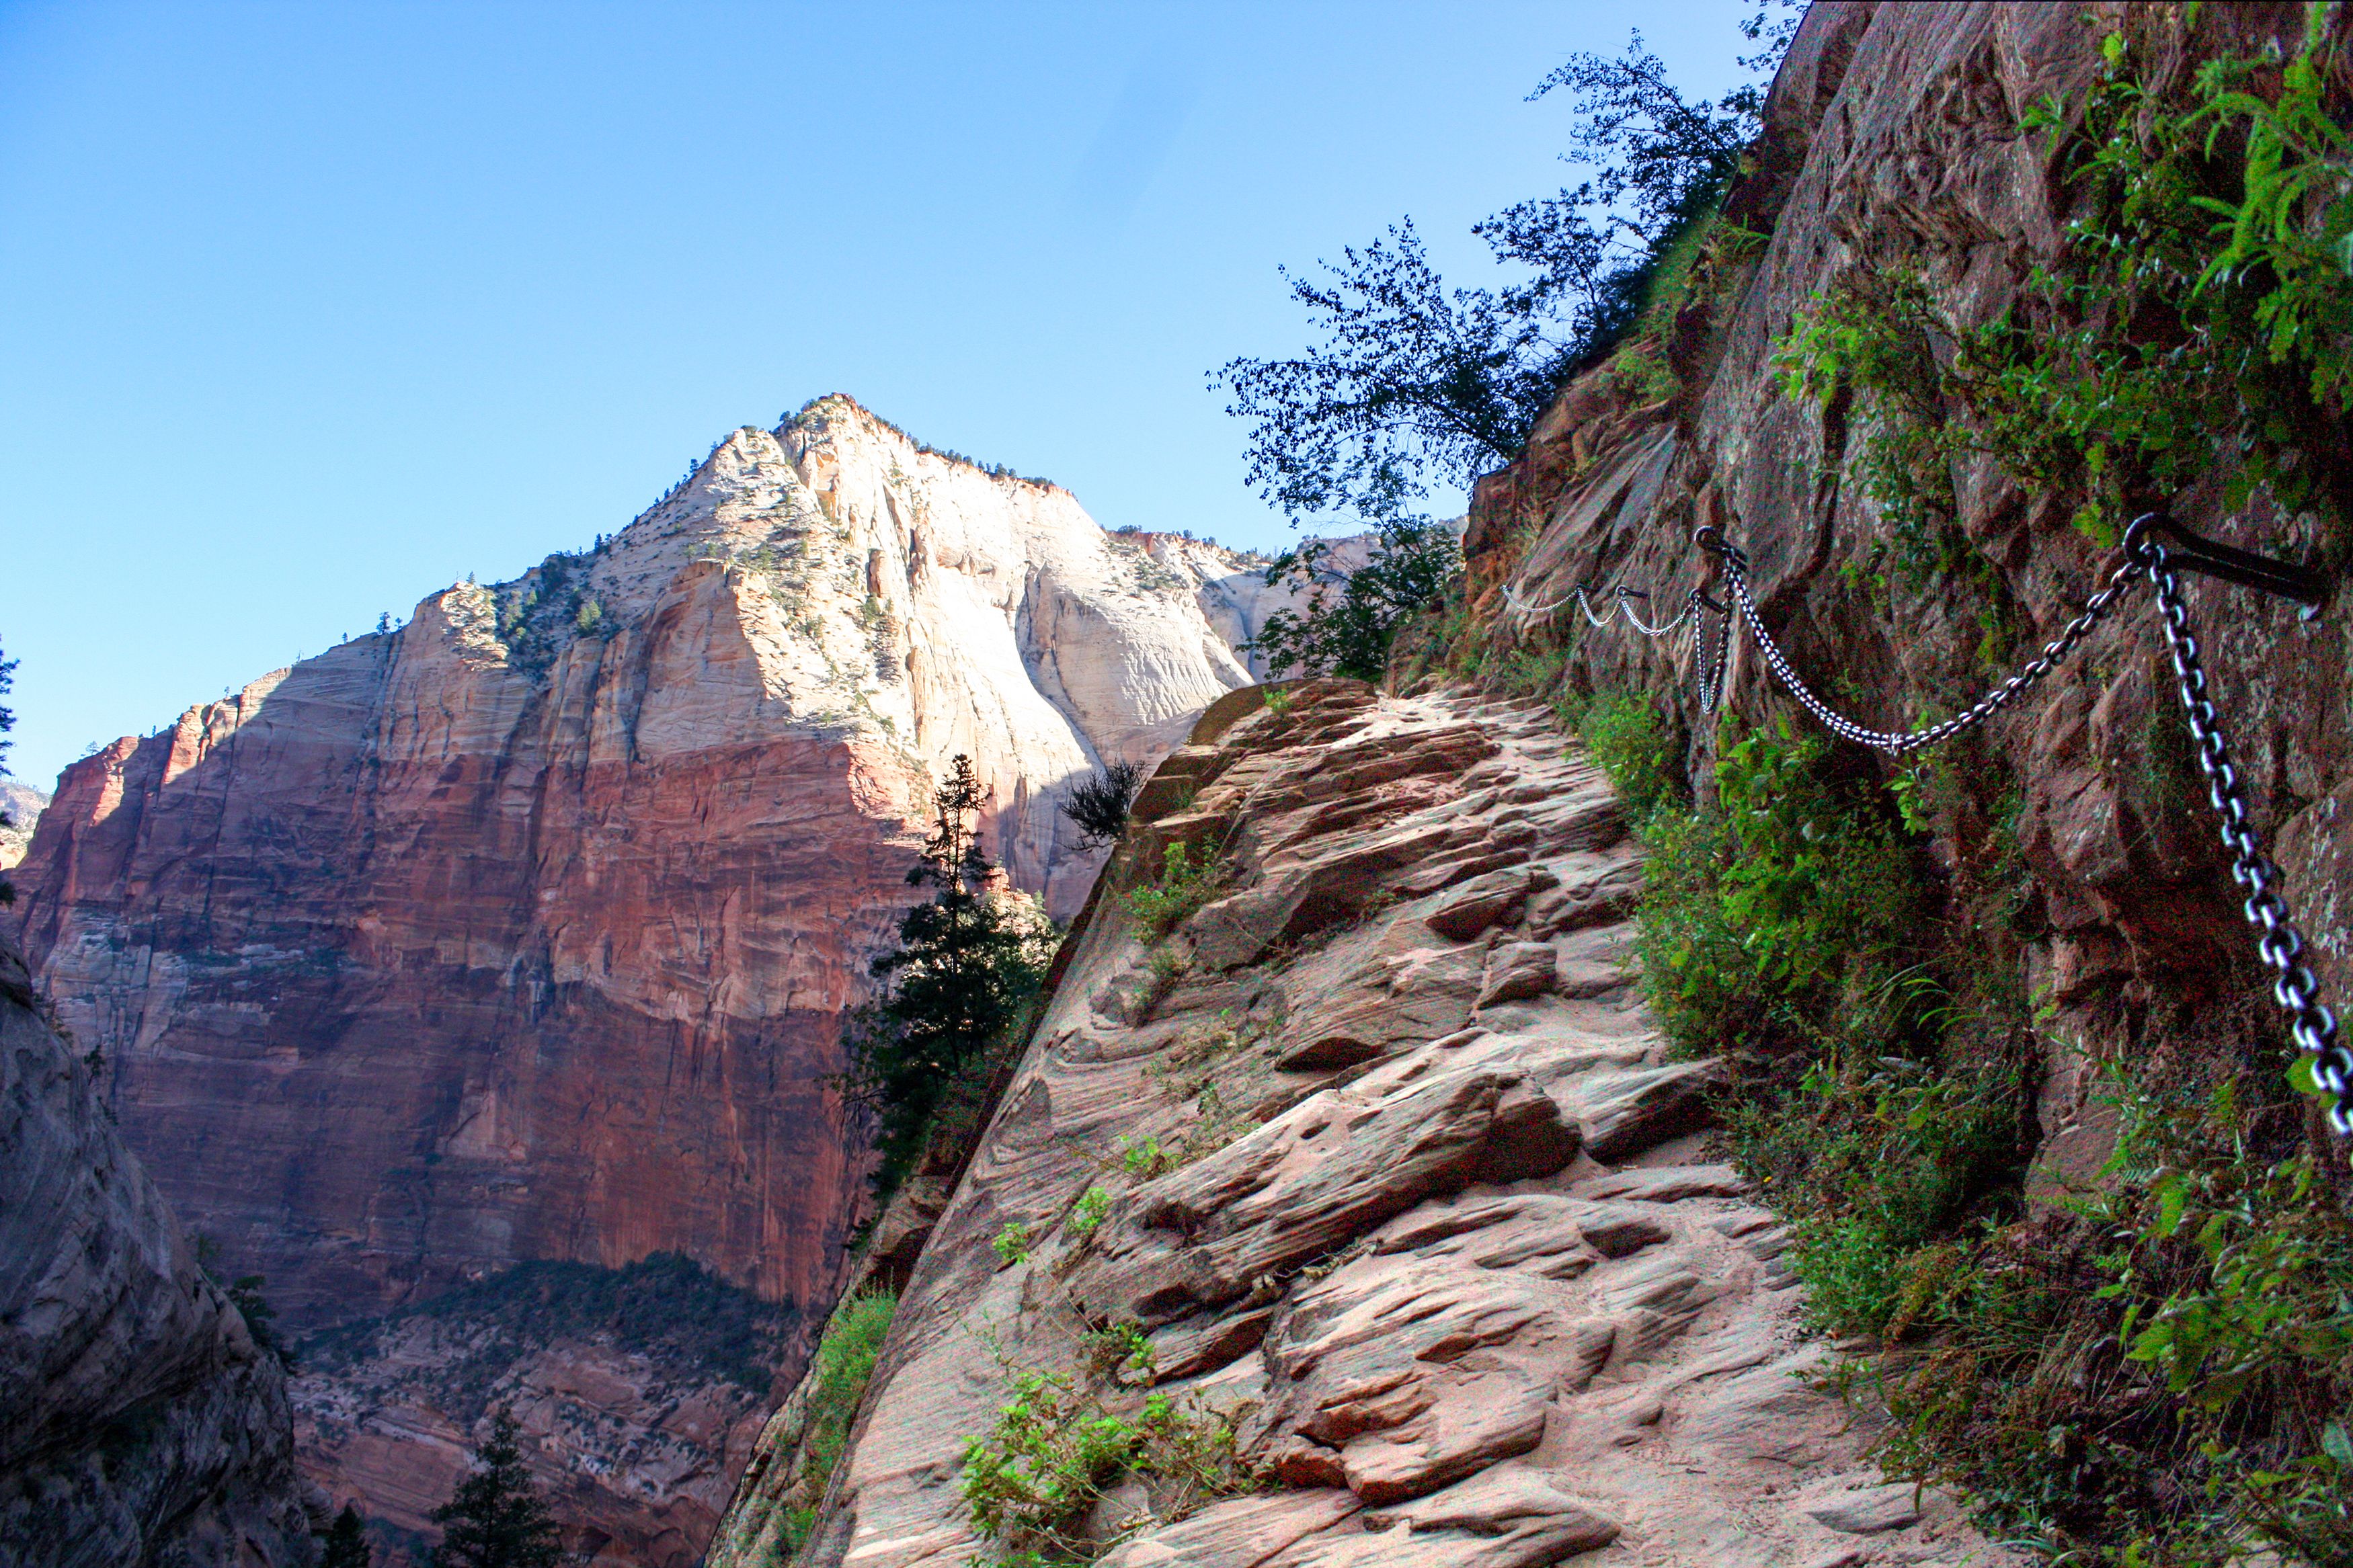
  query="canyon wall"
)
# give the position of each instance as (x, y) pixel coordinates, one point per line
(1898, 143)
(526, 930)
(1378, 1165)
(140, 1424)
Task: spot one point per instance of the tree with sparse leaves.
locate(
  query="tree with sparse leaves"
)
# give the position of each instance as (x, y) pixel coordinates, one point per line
(1414, 382)
(966, 962)
(496, 1518)
(347, 1545)
(1098, 805)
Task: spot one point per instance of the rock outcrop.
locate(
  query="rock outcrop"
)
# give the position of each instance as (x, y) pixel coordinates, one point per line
(1397, 1178)
(140, 1426)
(526, 930)
(1896, 144)
(20, 810)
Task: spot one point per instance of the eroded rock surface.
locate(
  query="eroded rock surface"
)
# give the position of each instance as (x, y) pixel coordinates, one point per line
(525, 931)
(140, 1426)
(1453, 1335)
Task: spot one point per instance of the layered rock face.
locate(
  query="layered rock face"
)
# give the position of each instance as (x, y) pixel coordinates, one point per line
(1894, 142)
(21, 806)
(139, 1425)
(1427, 1213)
(525, 931)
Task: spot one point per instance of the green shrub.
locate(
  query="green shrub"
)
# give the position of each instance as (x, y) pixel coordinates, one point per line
(1087, 1215)
(1051, 1451)
(1144, 1158)
(1762, 912)
(1629, 742)
(1012, 1244)
(1183, 885)
(838, 1377)
(1876, 1161)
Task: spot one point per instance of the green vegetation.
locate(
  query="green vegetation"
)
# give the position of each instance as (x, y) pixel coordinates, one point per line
(1144, 1158)
(1788, 901)
(1011, 1244)
(960, 987)
(1350, 618)
(244, 1292)
(496, 1518)
(1056, 1446)
(836, 1382)
(1088, 1213)
(2157, 1371)
(1183, 886)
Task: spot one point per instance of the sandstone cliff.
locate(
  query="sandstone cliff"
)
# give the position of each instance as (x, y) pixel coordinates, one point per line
(21, 804)
(1424, 1219)
(524, 932)
(139, 1425)
(1897, 144)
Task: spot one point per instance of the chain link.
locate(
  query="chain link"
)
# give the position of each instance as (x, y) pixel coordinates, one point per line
(2310, 1023)
(1735, 576)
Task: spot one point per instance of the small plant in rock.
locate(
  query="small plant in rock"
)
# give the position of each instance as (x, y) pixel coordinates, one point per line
(1122, 1350)
(1099, 805)
(1093, 1208)
(1144, 1158)
(1162, 970)
(1055, 1447)
(838, 1377)
(1184, 885)
(1012, 1244)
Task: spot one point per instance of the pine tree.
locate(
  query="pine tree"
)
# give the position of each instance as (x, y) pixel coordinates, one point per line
(347, 1545)
(965, 963)
(496, 1519)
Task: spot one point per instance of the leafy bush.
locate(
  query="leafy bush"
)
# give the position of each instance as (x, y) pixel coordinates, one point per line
(1784, 897)
(1628, 742)
(1874, 1160)
(1055, 1445)
(1183, 886)
(1087, 1215)
(1351, 617)
(1011, 1244)
(838, 1377)
(1099, 804)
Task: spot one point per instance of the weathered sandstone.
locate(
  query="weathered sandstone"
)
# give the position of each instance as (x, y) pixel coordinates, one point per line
(1453, 1332)
(526, 931)
(139, 1424)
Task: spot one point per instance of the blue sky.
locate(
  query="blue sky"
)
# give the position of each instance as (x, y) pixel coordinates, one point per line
(307, 310)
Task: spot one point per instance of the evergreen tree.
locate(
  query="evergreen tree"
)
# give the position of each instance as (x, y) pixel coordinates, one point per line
(347, 1545)
(496, 1519)
(965, 963)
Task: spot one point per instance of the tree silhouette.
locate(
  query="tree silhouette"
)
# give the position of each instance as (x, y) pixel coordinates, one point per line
(496, 1518)
(965, 964)
(347, 1545)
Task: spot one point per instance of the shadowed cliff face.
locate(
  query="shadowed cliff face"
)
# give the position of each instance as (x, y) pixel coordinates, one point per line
(139, 1425)
(525, 931)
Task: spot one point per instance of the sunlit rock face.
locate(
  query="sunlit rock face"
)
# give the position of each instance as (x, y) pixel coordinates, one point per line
(526, 930)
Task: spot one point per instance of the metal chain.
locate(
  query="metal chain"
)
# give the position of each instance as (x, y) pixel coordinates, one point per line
(2312, 1024)
(1735, 577)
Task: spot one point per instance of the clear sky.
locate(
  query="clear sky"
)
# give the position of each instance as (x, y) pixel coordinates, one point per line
(309, 310)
